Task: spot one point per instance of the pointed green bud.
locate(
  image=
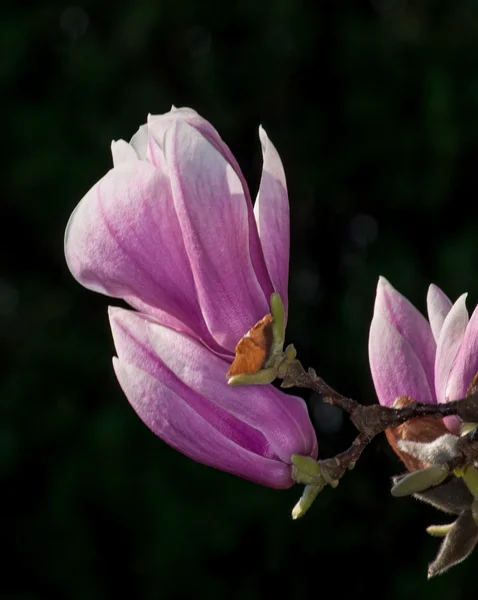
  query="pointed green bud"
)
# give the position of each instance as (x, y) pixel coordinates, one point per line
(290, 352)
(306, 500)
(278, 324)
(419, 481)
(439, 530)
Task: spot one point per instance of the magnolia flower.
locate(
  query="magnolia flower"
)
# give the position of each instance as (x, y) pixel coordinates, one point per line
(171, 230)
(429, 361)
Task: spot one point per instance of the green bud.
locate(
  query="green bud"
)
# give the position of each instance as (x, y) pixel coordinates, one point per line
(306, 500)
(306, 470)
(278, 323)
(439, 530)
(290, 352)
(419, 481)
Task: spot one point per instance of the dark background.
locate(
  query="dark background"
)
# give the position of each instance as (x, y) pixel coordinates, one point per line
(373, 106)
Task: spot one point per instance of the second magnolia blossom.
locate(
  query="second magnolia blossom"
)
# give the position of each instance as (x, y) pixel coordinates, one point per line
(429, 361)
(171, 230)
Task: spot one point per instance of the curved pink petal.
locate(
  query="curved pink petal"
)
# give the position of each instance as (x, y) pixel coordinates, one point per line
(124, 240)
(272, 216)
(438, 306)
(177, 419)
(159, 125)
(465, 366)
(130, 335)
(410, 324)
(451, 336)
(281, 418)
(213, 216)
(396, 368)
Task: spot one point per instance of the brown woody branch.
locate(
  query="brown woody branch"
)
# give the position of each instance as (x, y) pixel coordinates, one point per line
(370, 420)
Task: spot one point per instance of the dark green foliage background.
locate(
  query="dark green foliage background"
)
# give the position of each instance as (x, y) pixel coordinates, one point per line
(373, 106)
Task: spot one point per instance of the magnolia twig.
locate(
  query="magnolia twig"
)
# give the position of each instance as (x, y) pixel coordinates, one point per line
(332, 469)
(373, 419)
(370, 420)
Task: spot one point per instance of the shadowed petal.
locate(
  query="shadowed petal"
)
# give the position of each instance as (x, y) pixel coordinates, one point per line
(206, 190)
(411, 325)
(272, 216)
(396, 368)
(177, 419)
(457, 545)
(438, 305)
(452, 496)
(465, 366)
(451, 337)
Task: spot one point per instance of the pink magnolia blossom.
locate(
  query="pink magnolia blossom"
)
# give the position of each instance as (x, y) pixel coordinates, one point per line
(171, 230)
(430, 361)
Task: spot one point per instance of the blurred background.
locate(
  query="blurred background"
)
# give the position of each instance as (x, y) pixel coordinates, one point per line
(373, 106)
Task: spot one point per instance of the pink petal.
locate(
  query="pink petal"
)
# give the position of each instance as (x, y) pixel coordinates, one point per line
(410, 324)
(438, 305)
(451, 336)
(281, 418)
(396, 368)
(159, 125)
(453, 424)
(177, 420)
(465, 366)
(130, 334)
(213, 216)
(272, 216)
(124, 240)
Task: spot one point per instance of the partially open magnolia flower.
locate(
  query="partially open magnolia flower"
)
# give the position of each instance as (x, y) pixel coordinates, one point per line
(429, 361)
(172, 231)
